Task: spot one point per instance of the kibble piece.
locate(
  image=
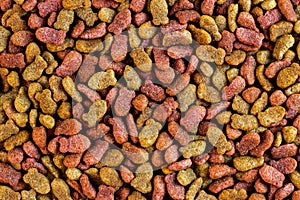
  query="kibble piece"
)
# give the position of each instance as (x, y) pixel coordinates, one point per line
(95, 113)
(13, 79)
(271, 115)
(240, 105)
(22, 102)
(4, 38)
(37, 181)
(209, 24)
(244, 122)
(64, 19)
(69, 86)
(112, 158)
(70, 4)
(8, 193)
(194, 148)
(60, 189)
(282, 45)
(279, 29)
(232, 16)
(102, 80)
(106, 15)
(218, 139)
(141, 60)
(34, 71)
(289, 133)
(110, 177)
(260, 104)
(200, 35)
(286, 77)
(181, 37)
(185, 177)
(245, 163)
(159, 11)
(187, 97)
(209, 53)
(47, 104)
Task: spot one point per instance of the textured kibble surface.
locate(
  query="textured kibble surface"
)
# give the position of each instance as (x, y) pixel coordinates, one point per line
(149, 99)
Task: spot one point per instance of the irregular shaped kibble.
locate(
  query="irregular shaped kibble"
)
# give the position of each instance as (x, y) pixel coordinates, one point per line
(252, 93)
(279, 29)
(37, 181)
(276, 66)
(259, 104)
(271, 175)
(12, 60)
(246, 20)
(271, 115)
(4, 38)
(186, 97)
(285, 150)
(221, 184)
(47, 120)
(121, 21)
(266, 142)
(153, 91)
(185, 177)
(96, 112)
(285, 165)
(227, 41)
(122, 104)
(50, 36)
(201, 36)
(22, 38)
(105, 192)
(282, 45)
(34, 71)
(236, 86)
(186, 16)
(287, 10)
(141, 60)
(245, 163)
(209, 24)
(102, 80)
(47, 104)
(286, 77)
(207, 7)
(87, 15)
(89, 46)
(132, 78)
(9, 175)
(87, 187)
(8, 193)
(74, 144)
(70, 64)
(142, 180)
(292, 105)
(106, 14)
(236, 57)
(253, 38)
(178, 133)
(175, 190)
(240, 105)
(219, 171)
(149, 133)
(181, 37)
(218, 139)
(232, 15)
(177, 52)
(120, 132)
(112, 158)
(68, 127)
(60, 189)
(209, 53)
(248, 142)
(64, 19)
(72, 5)
(119, 48)
(22, 102)
(159, 11)
(134, 153)
(96, 152)
(159, 188)
(192, 118)
(69, 86)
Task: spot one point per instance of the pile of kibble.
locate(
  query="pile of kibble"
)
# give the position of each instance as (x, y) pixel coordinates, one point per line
(149, 99)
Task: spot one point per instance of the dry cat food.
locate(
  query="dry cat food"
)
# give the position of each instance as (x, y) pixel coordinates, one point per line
(149, 99)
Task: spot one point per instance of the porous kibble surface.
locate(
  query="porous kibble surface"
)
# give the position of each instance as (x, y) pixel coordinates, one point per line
(149, 99)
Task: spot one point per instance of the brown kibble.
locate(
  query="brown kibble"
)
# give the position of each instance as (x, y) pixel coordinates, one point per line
(175, 190)
(248, 142)
(271, 175)
(45, 34)
(120, 22)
